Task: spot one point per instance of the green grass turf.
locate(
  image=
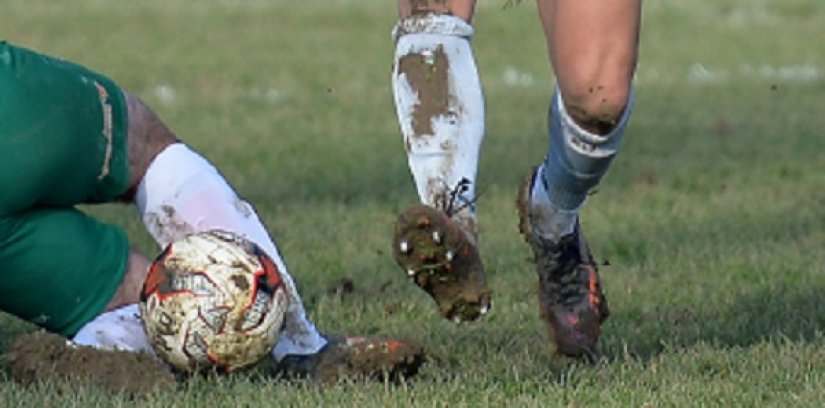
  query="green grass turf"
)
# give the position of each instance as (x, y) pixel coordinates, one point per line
(712, 218)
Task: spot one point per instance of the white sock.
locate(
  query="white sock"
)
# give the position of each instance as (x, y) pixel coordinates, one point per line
(119, 329)
(548, 220)
(182, 193)
(440, 106)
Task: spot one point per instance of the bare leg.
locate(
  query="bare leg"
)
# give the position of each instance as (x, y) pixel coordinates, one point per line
(593, 47)
(129, 290)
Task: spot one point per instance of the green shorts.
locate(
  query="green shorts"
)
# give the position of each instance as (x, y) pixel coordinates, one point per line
(62, 143)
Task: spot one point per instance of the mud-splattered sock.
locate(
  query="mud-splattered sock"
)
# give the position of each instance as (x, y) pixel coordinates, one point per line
(119, 329)
(440, 107)
(182, 193)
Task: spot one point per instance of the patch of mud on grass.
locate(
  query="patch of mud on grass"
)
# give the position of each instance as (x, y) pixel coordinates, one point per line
(42, 356)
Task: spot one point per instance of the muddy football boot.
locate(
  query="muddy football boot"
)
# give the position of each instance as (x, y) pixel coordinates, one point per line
(440, 255)
(570, 295)
(358, 357)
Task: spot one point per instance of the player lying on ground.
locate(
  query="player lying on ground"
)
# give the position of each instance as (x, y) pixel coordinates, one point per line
(438, 95)
(70, 136)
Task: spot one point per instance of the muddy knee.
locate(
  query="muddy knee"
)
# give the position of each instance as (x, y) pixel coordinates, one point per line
(596, 105)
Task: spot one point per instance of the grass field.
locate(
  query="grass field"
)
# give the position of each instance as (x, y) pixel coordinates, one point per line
(712, 218)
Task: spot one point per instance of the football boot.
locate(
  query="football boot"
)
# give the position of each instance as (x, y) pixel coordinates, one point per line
(571, 301)
(359, 357)
(438, 252)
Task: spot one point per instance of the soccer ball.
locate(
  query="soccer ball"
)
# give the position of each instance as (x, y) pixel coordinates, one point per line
(213, 300)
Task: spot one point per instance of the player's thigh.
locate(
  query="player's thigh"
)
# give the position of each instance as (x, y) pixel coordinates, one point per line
(593, 46)
(59, 267)
(63, 132)
(459, 8)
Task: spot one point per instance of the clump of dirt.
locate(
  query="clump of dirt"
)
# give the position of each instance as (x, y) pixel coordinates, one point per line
(43, 356)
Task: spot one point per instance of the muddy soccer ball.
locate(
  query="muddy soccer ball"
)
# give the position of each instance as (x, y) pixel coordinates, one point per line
(213, 300)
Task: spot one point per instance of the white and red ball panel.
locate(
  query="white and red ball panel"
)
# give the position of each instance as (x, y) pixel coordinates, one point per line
(213, 299)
